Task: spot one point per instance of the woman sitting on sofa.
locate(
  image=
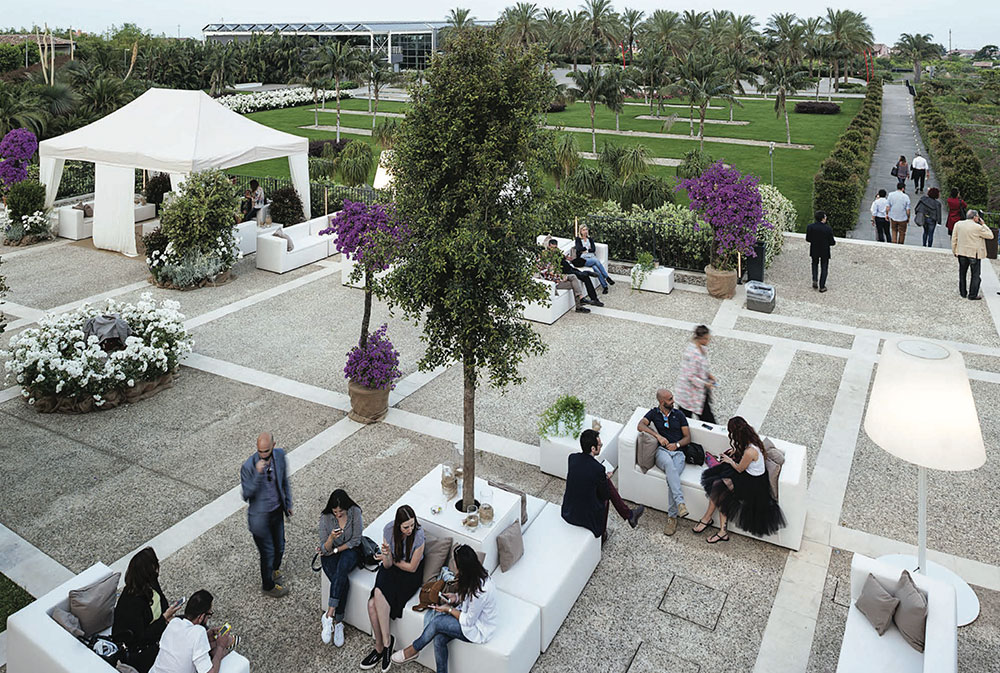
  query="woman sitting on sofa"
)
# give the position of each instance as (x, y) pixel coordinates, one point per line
(340, 530)
(142, 611)
(739, 488)
(586, 250)
(469, 614)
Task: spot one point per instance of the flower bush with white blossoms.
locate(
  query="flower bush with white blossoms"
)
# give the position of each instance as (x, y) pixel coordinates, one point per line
(54, 359)
(272, 100)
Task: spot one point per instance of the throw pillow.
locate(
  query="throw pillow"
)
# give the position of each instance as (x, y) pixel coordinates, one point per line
(877, 604)
(88, 210)
(436, 551)
(280, 233)
(94, 605)
(515, 491)
(68, 621)
(451, 557)
(510, 546)
(645, 454)
(774, 458)
(911, 615)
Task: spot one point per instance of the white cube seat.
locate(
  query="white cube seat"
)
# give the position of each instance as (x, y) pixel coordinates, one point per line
(246, 234)
(559, 303)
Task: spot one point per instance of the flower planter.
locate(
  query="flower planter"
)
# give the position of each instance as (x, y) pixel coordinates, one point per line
(720, 284)
(84, 405)
(368, 405)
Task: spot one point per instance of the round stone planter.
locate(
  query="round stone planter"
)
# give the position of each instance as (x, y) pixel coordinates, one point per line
(84, 405)
(720, 284)
(368, 405)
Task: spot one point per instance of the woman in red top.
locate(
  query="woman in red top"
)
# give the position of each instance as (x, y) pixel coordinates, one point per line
(955, 207)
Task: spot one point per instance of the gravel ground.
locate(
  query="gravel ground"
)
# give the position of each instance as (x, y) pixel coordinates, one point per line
(809, 334)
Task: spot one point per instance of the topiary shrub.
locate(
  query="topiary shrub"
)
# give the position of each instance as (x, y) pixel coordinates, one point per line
(318, 147)
(355, 162)
(286, 206)
(25, 198)
(157, 185)
(817, 108)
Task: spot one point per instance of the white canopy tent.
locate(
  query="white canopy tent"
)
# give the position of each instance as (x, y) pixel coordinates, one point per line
(166, 130)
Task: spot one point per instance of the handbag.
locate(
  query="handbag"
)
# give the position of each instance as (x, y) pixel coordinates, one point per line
(430, 594)
(895, 171)
(369, 549)
(694, 453)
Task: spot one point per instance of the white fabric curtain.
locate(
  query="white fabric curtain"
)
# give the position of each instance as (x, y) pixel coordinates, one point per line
(298, 166)
(114, 209)
(176, 180)
(50, 174)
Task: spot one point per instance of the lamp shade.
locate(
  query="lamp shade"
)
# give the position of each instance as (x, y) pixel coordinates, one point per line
(921, 408)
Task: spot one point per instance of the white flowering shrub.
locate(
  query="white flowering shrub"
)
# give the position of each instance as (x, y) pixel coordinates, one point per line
(37, 224)
(54, 359)
(272, 100)
(779, 211)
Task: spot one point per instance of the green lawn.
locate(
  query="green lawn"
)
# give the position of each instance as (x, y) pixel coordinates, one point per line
(12, 599)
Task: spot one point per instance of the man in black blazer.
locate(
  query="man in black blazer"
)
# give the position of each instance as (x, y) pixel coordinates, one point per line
(589, 490)
(819, 235)
(569, 270)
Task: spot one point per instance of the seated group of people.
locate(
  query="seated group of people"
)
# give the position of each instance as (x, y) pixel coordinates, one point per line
(253, 201)
(576, 271)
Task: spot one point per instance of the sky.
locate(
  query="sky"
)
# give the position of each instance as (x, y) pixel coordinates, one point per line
(977, 24)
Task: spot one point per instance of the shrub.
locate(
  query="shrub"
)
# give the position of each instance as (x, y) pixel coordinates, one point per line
(317, 148)
(25, 198)
(556, 106)
(695, 163)
(375, 364)
(839, 199)
(817, 108)
(286, 206)
(10, 57)
(157, 185)
(386, 132)
(355, 163)
(780, 212)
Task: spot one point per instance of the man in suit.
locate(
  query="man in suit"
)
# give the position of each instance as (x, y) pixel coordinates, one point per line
(589, 490)
(819, 235)
(584, 277)
(264, 485)
(968, 243)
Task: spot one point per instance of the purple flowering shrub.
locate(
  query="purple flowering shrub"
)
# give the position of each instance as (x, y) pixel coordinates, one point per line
(16, 148)
(376, 364)
(731, 203)
(367, 234)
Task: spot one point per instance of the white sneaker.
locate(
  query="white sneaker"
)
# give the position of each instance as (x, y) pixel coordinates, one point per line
(327, 629)
(338, 634)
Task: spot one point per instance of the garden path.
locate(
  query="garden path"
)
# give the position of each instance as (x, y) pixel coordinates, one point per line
(674, 136)
(652, 161)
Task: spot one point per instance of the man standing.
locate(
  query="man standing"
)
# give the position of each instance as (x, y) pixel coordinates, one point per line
(188, 645)
(264, 482)
(919, 166)
(880, 217)
(669, 428)
(819, 235)
(899, 212)
(968, 243)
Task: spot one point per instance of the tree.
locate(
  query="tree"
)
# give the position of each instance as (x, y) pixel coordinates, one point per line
(916, 48)
(380, 75)
(460, 18)
(10, 57)
(219, 68)
(738, 67)
(20, 109)
(316, 80)
(783, 81)
(340, 61)
(631, 22)
(563, 157)
(602, 23)
(467, 180)
(620, 83)
(704, 78)
(520, 24)
(848, 33)
(988, 53)
(354, 163)
(591, 86)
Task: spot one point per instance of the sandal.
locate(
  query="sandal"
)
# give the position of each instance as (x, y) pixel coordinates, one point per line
(703, 524)
(721, 536)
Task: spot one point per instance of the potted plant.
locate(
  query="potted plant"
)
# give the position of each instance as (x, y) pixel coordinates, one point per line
(372, 369)
(563, 418)
(644, 265)
(731, 203)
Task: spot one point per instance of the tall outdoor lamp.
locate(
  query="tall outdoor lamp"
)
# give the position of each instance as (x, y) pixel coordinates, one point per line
(913, 375)
(770, 153)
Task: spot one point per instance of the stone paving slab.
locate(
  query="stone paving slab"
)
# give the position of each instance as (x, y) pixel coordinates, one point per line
(694, 307)
(796, 332)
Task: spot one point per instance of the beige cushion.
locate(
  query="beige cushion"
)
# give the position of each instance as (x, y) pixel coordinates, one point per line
(911, 615)
(515, 491)
(645, 451)
(510, 546)
(877, 604)
(774, 458)
(68, 621)
(436, 552)
(280, 233)
(94, 605)
(451, 556)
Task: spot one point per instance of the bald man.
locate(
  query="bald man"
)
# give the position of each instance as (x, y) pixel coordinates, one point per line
(669, 427)
(264, 484)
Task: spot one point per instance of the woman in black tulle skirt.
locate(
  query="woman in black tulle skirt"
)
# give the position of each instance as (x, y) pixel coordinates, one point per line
(739, 488)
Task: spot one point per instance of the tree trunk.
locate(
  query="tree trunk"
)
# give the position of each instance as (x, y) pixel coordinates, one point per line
(338, 110)
(367, 315)
(574, 63)
(701, 125)
(788, 129)
(315, 109)
(691, 119)
(818, 80)
(616, 122)
(375, 115)
(370, 96)
(324, 98)
(593, 131)
(730, 110)
(468, 433)
(916, 71)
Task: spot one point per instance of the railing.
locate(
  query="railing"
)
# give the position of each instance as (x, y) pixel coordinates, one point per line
(324, 196)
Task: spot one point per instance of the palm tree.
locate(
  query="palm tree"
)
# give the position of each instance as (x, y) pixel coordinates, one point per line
(316, 80)
(704, 78)
(823, 51)
(564, 158)
(520, 24)
(552, 29)
(591, 86)
(849, 33)
(624, 163)
(654, 76)
(386, 133)
(783, 81)
(380, 75)
(460, 18)
(620, 83)
(812, 33)
(917, 47)
(575, 37)
(631, 22)
(19, 109)
(107, 94)
(339, 61)
(694, 26)
(219, 69)
(662, 31)
(738, 68)
(719, 21)
(601, 22)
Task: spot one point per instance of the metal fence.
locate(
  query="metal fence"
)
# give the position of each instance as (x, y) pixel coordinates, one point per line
(325, 197)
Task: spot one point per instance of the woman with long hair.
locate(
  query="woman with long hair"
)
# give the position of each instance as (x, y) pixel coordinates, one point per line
(902, 169)
(469, 614)
(956, 209)
(927, 213)
(693, 392)
(340, 529)
(399, 577)
(739, 488)
(142, 612)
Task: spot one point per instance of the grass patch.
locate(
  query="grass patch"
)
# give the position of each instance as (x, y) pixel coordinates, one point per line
(12, 599)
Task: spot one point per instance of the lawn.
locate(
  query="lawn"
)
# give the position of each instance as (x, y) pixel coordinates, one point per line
(12, 599)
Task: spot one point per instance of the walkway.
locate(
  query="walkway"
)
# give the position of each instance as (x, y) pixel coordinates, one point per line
(899, 135)
(675, 136)
(652, 161)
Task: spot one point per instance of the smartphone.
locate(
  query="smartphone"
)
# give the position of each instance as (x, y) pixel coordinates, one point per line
(179, 602)
(707, 426)
(338, 532)
(226, 628)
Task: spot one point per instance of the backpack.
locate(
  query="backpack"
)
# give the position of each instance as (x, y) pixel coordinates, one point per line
(366, 559)
(694, 453)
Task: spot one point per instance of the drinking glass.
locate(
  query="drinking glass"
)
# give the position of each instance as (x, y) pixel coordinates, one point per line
(472, 517)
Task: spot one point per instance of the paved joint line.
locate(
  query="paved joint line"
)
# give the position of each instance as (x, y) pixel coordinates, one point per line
(110, 294)
(7, 256)
(10, 308)
(8, 394)
(990, 287)
(729, 310)
(764, 388)
(29, 566)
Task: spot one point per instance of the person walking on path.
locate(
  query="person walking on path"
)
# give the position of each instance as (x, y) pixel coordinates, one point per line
(919, 173)
(693, 392)
(264, 485)
(899, 212)
(819, 235)
(902, 169)
(880, 217)
(956, 209)
(927, 214)
(968, 243)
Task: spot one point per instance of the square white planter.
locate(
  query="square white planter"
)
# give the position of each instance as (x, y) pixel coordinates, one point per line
(660, 279)
(554, 451)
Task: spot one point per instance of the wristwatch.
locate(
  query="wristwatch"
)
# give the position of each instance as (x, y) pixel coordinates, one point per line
(336, 550)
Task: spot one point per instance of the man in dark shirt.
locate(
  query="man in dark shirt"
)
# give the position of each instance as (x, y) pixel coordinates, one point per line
(585, 277)
(589, 490)
(819, 235)
(669, 427)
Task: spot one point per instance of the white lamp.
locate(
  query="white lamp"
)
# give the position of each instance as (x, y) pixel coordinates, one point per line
(922, 411)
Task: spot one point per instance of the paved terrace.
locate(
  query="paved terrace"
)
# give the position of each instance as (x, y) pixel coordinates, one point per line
(269, 353)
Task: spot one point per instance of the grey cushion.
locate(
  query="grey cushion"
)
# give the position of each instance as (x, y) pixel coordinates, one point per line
(774, 458)
(645, 451)
(877, 604)
(68, 621)
(515, 491)
(280, 233)
(510, 546)
(911, 615)
(451, 556)
(94, 605)
(436, 552)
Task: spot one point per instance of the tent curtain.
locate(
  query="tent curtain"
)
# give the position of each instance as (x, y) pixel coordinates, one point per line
(176, 180)
(114, 209)
(298, 167)
(50, 174)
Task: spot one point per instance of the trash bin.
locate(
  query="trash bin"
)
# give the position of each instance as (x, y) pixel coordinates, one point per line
(760, 297)
(755, 265)
(991, 244)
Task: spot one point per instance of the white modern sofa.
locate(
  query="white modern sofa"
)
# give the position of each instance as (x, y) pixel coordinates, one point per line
(567, 245)
(37, 644)
(863, 650)
(307, 246)
(560, 302)
(73, 225)
(650, 489)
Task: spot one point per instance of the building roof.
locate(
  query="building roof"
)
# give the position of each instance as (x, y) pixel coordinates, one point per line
(332, 27)
(19, 38)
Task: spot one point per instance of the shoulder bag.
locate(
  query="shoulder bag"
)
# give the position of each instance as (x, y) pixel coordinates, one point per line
(895, 171)
(694, 453)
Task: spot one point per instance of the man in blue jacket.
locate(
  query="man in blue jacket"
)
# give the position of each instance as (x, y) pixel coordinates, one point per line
(264, 484)
(589, 490)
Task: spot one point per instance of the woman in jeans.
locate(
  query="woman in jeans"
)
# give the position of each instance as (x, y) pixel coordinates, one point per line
(902, 169)
(927, 213)
(693, 391)
(469, 614)
(340, 530)
(956, 208)
(586, 250)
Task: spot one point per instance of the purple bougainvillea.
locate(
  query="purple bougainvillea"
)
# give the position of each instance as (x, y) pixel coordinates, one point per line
(367, 234)
(731, 203)
(376, 364)
(16, 148)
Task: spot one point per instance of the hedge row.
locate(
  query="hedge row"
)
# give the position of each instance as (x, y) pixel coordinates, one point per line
(810, 107)
(956, 164)
(840, 183)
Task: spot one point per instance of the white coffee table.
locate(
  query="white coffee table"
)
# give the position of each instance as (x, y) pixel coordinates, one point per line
(555, 450)
(660, 279)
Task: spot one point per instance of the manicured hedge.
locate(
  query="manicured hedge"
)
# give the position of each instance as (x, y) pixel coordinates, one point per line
(817, 108)
(956, 163)
(842, 177)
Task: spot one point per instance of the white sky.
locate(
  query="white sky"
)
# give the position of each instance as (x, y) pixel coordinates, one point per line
(973, 23)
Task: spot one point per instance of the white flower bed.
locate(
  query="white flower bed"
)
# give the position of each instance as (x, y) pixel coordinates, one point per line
(53, 361)
(779, 211)
(272, 100)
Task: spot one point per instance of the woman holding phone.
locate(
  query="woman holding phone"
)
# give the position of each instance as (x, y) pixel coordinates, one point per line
(142, 612)
(399, 577)
(340, 530)
(469, 614)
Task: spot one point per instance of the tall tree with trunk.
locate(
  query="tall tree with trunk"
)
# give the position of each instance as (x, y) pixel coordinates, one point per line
(602, 25)
(917, 48)
(591, 86)
(783, 81)
(631, 22)
(340, 61)
(467, 167)
(704, 77)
